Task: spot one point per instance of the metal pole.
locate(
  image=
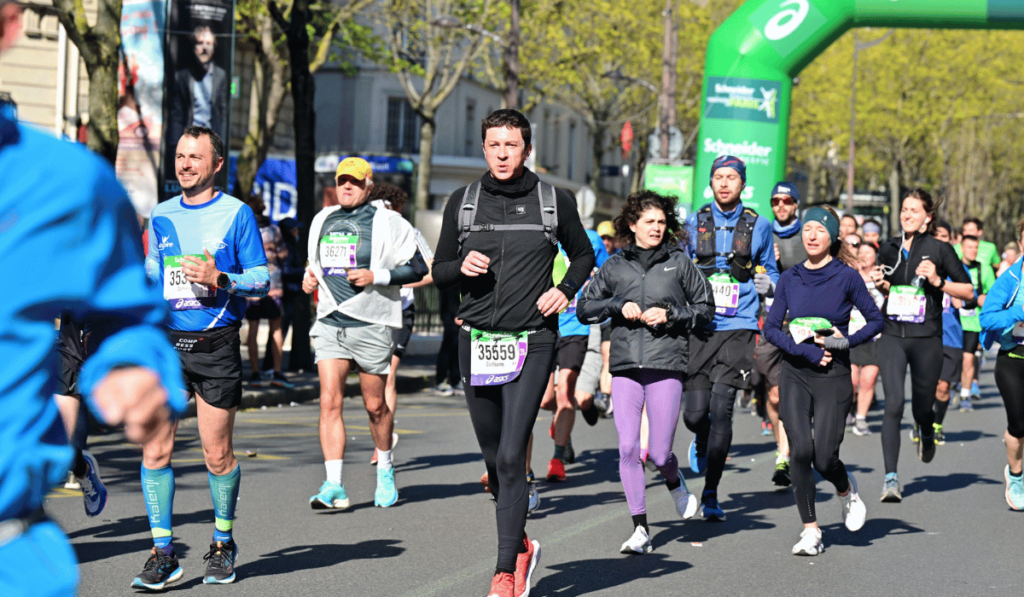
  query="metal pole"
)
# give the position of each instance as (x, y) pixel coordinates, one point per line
(512, 60)
(666, 115)
(853, 126)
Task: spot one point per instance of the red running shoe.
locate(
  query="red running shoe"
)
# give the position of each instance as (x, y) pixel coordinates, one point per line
(525, 564)
(502, 585)
(551, 431)
(556, 471)
(486, 482)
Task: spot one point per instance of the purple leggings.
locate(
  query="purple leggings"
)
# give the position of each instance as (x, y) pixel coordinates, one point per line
(662, 392)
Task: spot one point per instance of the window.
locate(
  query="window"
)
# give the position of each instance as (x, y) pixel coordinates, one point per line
(471, 129)
(403, 126)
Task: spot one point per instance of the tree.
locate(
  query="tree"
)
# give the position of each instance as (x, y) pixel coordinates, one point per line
(429, 60)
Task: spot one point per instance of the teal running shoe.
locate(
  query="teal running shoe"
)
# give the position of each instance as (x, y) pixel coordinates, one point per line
(332, 496)
(386, 494)
(1014, 490)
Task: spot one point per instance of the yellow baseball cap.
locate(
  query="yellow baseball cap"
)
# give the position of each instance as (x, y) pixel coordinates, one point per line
(357, 168)
(606, 228)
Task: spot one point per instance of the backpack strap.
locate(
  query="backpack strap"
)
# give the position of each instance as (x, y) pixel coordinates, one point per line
(467, 212)
(549, 212)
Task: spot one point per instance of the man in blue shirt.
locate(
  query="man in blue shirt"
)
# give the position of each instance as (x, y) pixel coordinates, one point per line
(733, 247)
(206, 253)
(61, 206)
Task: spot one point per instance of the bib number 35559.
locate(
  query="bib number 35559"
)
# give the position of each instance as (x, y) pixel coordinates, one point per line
(496, 357)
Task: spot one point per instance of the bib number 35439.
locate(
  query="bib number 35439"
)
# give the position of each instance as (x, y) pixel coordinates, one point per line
(727, 294)
(180, 294)
(497, 357)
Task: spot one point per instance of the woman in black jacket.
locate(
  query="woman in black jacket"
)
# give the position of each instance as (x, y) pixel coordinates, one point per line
(654, 295)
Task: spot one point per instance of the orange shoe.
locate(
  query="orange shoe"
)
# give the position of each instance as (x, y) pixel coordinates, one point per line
(486, 482)
(556, 471)
(502, 585)
(551, 431)
(525, 564)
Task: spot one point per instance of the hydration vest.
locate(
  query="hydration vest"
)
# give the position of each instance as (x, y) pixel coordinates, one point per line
(739, 257)
(548, 214)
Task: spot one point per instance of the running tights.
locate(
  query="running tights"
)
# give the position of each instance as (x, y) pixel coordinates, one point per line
(1010, 381)
(709, 416)
(814, 410)
(661, 391)
(924, 355)
(503, 418)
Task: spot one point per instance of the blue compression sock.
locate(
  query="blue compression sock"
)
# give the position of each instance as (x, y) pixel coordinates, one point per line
(224, 491)
(158, 491)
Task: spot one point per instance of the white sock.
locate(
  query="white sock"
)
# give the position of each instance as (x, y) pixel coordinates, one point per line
(861, 418)
(965, 392)
(384, 459)
(333, 470)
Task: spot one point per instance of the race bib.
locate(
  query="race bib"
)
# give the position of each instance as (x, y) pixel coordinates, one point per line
(966, 313)
(947, 303)
(768, 302)
(338, 253)
(906, 304)
(803, 328)
(727, 294)
(857, 321)
(1018, 332)
(180, 294)
(571, 309)
(496, 357)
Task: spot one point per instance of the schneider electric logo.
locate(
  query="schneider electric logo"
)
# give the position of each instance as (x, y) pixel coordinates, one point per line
(751, 153)
(743, 99)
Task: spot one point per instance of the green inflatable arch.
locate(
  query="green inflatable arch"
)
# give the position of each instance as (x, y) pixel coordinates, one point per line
(753, 57)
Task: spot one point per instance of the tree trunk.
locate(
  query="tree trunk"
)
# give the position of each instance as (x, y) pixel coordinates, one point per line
(423, 175)
(103, 134)
(597, 156)
(894, 199)
(266, 99)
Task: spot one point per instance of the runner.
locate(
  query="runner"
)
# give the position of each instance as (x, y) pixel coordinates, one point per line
(655, 296)
(818, 297)
(501, 251)
(728, 242)
(267, 307)
(847, 226)
(913, 275)
(789, 251)
(70, 242)
(864, 357)
(872, 232)
(360, 254)
(952, 352)
(982, 278)
(1010, 254)
(1003, 314)
(988, 253)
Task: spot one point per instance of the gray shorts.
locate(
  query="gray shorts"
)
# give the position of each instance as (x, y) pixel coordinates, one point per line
(590, 373)
(370, 346)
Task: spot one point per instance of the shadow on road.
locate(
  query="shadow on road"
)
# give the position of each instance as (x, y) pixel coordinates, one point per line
(873, 529)
(586, 576)
(432, 461)
(438, 491)
(942, 483)
(100, 550)
(308, 557)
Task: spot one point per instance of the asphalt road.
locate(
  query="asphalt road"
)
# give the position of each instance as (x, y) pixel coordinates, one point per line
(952, 535)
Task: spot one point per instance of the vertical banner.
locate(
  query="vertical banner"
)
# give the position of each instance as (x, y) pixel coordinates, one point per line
(140, 98)
(200, 42)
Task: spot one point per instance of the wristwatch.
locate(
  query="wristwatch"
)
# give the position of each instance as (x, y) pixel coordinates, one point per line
(223, 280)
(942, 284)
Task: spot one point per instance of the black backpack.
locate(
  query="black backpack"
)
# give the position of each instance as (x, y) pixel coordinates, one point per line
(548, 212)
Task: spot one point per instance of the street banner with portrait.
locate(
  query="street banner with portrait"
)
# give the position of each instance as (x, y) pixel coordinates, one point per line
(197, 76)
(140, 118)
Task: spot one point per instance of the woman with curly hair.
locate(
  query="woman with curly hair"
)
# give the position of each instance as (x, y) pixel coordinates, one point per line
(654, 295)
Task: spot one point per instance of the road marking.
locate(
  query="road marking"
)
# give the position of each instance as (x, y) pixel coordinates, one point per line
(60, 492)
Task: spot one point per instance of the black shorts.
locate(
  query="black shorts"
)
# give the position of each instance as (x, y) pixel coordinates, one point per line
(570, 352)
(211, 362)
(72, 356)
(865, 354)
(768, 362)
(952, 364)
(401, 335)
(266, 308)
(724, 357)
(971, 341)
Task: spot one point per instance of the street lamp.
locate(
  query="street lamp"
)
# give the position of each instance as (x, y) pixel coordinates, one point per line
(510, 47)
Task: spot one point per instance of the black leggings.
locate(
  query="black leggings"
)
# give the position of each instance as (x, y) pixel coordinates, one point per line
(708, 414)
(814, 409)
(924, 355)
(503, 418)
(1010, 381)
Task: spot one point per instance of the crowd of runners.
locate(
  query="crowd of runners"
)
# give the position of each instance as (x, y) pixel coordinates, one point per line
(648, 318)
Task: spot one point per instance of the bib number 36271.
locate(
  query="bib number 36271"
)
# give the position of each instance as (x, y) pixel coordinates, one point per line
(180, 294)
(906, 304)
(338, 253)
(727, 294)
(496, 357)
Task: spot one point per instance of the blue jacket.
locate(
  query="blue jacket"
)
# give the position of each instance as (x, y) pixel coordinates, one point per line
(1004, 307)
(762, 251)
(70, 242)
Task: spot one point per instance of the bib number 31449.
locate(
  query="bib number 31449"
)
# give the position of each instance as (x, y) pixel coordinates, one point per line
(180, 294)
(496, 357)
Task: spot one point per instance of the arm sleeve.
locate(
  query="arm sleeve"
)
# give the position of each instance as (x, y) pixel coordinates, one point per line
(598, 301)
(576, 244)
(252, 283)
(773, 328)
(410, 272)
(248, 240)
(861, 298)
(700, 309)
(995, 315)
(152, 256)
(447, 261)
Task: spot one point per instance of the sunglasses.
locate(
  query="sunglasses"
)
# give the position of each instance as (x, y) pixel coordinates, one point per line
(783, 200)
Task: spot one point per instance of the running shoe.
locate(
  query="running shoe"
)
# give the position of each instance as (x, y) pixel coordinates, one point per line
(649, 464)
(711, 510)
(850, 420)
(331, 496)
(781, 476)
(551, 430)
(611, 408)
(940, 437)
(534, 497)
(220, 563)
(280, 381)
(891, 489)
(638, 543)
(601, 404)
(386, 494)
(570, 454)
(686, 502)
(854, 510)
(965, 405)
(915, 434)
(975, 390)
(1014, 490)
(766, 428)
(698, 457)
(160, 570)
(530, 478)
(926, 448)
(860, 427)
(394, 442)
(72, 482)
(810, 543)
(458, 389)
(526, 562)
(590, 415)
(443, 389)
(502, 585)
(954, 401)
(93, 491)
(556, 471)
(255, 380)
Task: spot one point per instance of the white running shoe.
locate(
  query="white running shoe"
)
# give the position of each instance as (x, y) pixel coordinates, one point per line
(534, 501)
(810, 543)
(854, 510)
(686, 502)
(639, 542)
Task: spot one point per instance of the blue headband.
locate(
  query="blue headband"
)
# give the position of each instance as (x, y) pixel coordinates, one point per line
(728, 161)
